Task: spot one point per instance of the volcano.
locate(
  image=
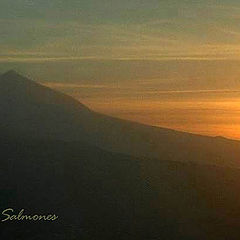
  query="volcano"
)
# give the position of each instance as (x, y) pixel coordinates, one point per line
(107, 178)
(28, 109)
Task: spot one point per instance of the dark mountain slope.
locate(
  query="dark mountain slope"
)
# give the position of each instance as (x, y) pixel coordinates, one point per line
(18, 89)
(31, 110)
(52, 161)
(102, 195)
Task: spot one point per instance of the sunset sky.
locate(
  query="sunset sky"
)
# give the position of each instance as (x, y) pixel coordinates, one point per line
(166, 63)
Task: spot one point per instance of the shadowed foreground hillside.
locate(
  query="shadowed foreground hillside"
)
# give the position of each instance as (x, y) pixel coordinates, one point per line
(103, 195)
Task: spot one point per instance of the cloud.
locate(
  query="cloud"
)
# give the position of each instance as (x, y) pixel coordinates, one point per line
(157, 38)
(10, 59)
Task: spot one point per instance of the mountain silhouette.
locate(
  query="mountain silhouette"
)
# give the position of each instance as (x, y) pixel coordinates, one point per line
(15, 88)
(29, 109)
(108, 178)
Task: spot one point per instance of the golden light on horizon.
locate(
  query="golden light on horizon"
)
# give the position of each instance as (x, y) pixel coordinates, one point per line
(205, 112)
(205, 118)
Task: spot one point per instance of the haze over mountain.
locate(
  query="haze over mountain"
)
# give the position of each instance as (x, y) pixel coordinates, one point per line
(29, 109)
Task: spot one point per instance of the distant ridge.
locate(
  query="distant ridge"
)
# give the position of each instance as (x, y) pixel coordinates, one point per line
(28, 109)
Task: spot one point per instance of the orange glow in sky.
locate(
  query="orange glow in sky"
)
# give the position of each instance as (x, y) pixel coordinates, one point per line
(214, 113)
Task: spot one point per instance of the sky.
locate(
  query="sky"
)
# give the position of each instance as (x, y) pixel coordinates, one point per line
(165, 63)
